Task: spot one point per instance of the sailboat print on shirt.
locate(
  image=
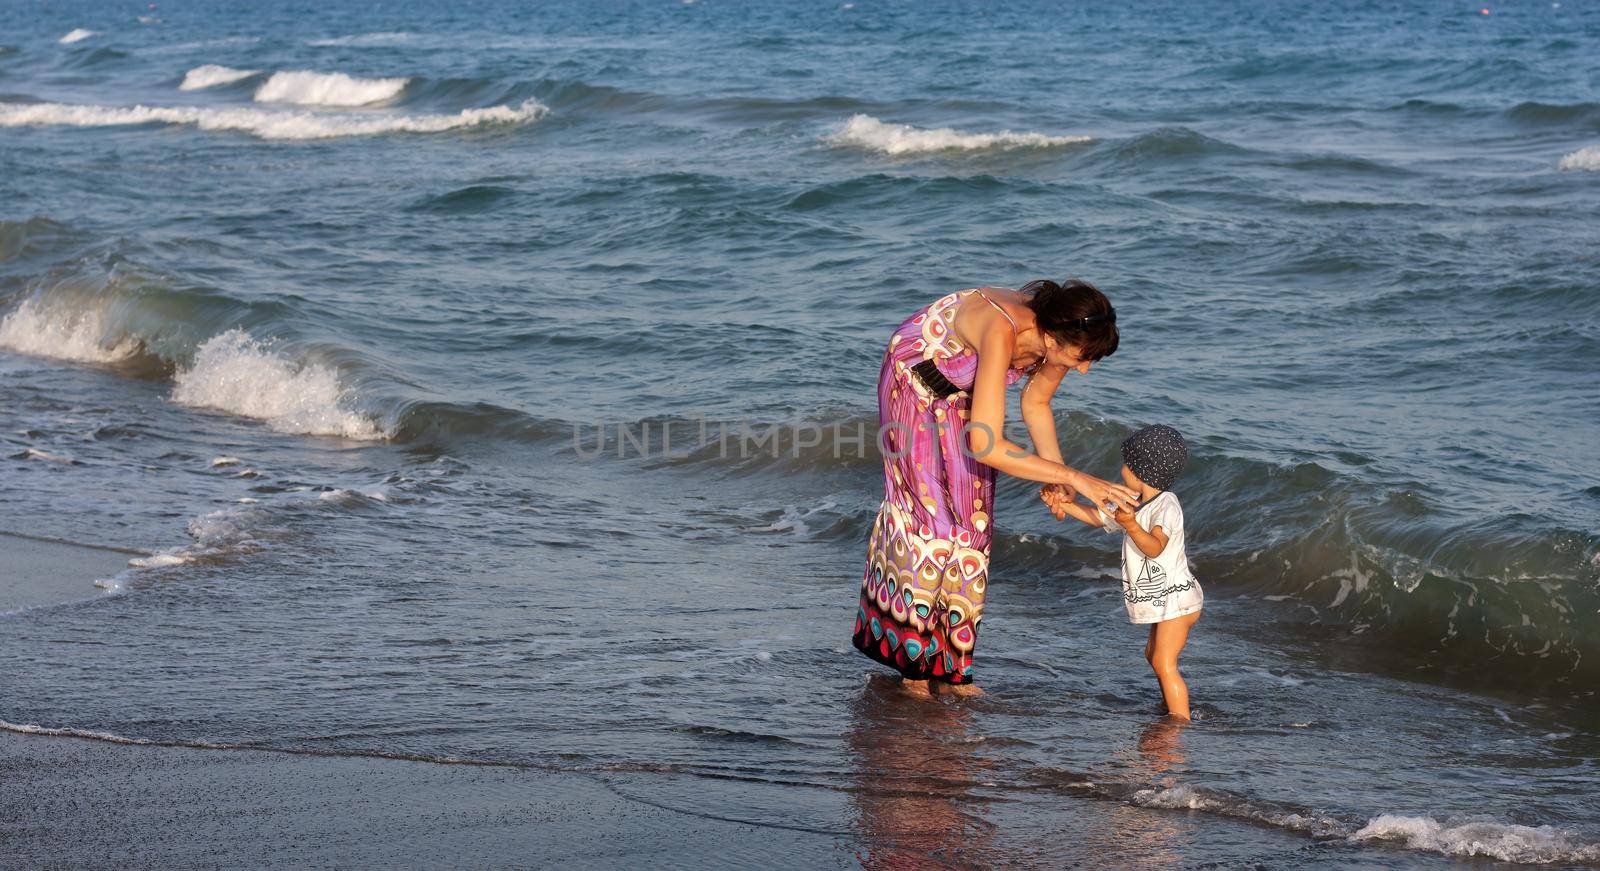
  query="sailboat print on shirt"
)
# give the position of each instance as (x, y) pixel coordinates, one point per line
(1152, 579)
(1151, 584)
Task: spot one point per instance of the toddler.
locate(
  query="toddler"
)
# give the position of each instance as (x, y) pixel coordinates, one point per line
(1157, 586)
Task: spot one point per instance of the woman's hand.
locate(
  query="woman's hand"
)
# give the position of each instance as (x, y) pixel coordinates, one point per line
(1101, 492)
(1057, 497)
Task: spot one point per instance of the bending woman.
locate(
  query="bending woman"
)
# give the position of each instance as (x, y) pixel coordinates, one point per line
(941, 414)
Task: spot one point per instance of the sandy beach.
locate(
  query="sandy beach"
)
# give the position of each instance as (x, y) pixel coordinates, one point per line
(36, 572)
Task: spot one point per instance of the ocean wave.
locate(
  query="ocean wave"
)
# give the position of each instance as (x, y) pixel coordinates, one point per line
(46, 456)
(24, 239)
(1184, 797)
(64, 334)
(85, 58)
(236, 374)
(264, 123)
(364, 39)
(865, 131)
(212, 75)
(1463, 838)
(1504, 841)
(307, 88)
(226, 532)
(1167, 143)
(1532, 113)
(77, 35)
(1585, 159)
(427, 421)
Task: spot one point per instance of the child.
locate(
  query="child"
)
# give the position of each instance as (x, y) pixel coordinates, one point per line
(1157, 586)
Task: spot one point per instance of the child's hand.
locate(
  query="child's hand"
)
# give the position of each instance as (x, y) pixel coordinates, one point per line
(1057, 497)
(1125, 519)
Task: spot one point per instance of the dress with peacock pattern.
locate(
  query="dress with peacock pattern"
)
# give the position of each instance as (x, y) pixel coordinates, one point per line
(928, 557)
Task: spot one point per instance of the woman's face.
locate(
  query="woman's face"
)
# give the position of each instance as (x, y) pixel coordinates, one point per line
(1069, 356)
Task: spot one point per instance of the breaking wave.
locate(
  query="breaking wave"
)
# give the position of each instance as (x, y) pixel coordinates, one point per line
(234, 373)
(264, 123)
(212, 75)
(64, 334)
(865, 131)
(1503, 841)
(77, 35)
(1587, 159)
(307, 88)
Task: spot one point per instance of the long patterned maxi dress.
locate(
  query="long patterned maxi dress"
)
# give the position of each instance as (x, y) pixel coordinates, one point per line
(928, 558)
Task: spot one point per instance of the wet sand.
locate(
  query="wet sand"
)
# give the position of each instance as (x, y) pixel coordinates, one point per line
(93, 803)
(35, 572)
(70, 801)
(89, 802)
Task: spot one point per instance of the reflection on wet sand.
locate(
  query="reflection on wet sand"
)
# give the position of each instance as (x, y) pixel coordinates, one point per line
(915, 771)
(1161, 746)
(1153, 838)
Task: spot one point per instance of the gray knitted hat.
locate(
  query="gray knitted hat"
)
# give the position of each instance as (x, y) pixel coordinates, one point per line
(1156, 454)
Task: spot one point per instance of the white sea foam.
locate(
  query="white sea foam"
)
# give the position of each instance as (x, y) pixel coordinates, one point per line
(365, 39)
(157, 560)
(265, 123)
(34, 729)
(63, 334)
(225, 461)
(1504, 841)
(234, 373)
(1183, 797)
(220, 533)
(211, 75)
(36, 454)
(1583, 159)
(307, 88)
(77, 35)
(865, 131)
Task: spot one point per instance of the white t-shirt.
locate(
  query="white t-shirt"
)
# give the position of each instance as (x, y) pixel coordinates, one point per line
(1161, 587)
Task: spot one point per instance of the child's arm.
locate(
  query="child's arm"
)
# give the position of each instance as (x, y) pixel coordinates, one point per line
(1084, 513)
(1151, 543)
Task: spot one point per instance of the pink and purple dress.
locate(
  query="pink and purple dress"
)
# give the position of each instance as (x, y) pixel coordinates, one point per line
(928, 557)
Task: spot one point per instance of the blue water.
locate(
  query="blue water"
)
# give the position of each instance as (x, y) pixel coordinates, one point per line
(331, 328)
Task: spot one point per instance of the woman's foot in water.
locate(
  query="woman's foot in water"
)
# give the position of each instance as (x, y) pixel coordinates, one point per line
(964, 690)
(917, 689)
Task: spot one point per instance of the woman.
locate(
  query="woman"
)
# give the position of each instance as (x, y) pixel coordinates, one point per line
(941, 410)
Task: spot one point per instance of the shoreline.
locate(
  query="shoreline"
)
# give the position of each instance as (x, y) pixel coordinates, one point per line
(40, 572)
(88, 801)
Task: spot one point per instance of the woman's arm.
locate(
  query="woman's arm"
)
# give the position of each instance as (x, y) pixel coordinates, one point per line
(1041, 422)
(1036, 411)
(985, 427)
(985, 435)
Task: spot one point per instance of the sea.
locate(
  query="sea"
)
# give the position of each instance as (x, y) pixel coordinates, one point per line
(493, 382)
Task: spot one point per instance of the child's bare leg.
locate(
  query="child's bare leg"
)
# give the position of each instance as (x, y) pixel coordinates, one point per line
(1150, 645)
(960, 689)
(1166, 642)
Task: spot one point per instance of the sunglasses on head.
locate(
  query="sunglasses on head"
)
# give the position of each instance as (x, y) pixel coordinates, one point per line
(1110, 317)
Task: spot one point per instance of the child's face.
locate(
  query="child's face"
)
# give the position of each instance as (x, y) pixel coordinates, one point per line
(1132, 480)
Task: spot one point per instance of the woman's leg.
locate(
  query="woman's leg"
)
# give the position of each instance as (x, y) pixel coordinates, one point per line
(1166, 642)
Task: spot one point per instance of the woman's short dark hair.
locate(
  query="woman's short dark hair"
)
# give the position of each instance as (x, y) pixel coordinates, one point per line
(1075, 313)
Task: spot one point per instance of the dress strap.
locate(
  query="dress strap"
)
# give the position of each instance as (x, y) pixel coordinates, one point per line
(998, 308)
